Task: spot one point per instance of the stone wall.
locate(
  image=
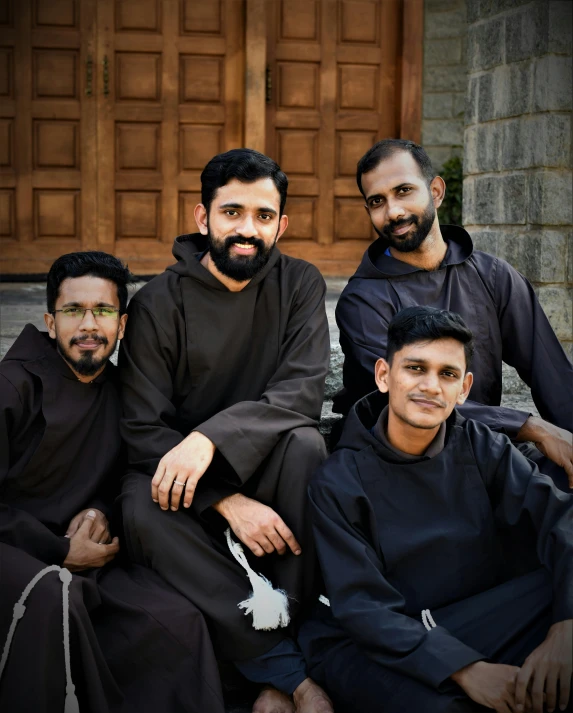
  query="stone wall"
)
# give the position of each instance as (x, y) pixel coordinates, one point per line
(517, 146)
(445, 80)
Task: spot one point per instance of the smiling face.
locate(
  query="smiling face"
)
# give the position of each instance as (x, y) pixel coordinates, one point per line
(401, 206)
(425, 381)
(86, 343)
(243, 225)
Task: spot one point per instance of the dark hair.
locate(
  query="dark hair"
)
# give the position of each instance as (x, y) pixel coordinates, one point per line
(247, 166)
(91, 262)
(426, 324)
(388, 147)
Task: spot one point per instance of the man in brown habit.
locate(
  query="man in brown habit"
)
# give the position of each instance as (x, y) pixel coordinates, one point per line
(223, 369)
(134, 645)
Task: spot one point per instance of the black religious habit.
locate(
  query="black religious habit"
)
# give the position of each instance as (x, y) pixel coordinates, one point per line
(136, 645)
(247, 370)
(497, 303)
(398, 535)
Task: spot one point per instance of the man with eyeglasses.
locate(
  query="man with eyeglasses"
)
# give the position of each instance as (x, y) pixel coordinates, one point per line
(132, 641)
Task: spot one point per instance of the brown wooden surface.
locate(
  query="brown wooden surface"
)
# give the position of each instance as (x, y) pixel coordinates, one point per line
(114, 162)
(48, 193)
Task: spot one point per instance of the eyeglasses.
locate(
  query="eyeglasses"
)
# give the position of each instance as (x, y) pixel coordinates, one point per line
(78, 313)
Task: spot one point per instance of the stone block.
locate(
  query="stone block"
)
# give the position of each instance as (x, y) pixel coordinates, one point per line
(459, 105)
(440, 154)
(570, 257)
(550, 136)
(512, 382)
(443, 132)
(552, 82)
(445, 79)
(550, 198)
(486, 45)
(445, 24)
(480, 9)
(437, 105)
(495, 200)
(472, 100)
(568, 349)
(486, 241)
(557, 302)
(560, 23)
(527, 32)
(540, 255)
(334, 376)
(443, 52)
(504, 92)
(443, 5)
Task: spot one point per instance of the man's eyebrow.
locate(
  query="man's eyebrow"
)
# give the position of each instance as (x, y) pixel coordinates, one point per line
(267, 210)
(98, 304)
(415, 360)
(231, 205)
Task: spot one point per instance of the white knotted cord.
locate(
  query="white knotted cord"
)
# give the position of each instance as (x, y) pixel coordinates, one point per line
(268, 606)
(428, 620)
(323, 600)
(71, 704)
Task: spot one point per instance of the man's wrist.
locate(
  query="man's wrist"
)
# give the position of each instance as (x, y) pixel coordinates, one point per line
(222, 506)
(460, 677)
(534, 429)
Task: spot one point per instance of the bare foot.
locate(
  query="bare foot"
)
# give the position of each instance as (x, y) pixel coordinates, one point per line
(272, 701)
(310, 698)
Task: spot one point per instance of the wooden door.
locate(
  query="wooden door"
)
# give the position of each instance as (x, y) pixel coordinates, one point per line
(333, 90)
(173, 98)
(47, 132)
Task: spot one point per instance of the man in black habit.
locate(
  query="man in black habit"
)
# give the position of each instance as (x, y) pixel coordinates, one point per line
(223, 367)
(133, 645)
(417, 261)
(410, 513)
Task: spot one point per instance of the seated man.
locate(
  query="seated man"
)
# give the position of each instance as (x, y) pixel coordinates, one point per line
(411, 513)
(133, 645)
(223, 368)
(417, 261)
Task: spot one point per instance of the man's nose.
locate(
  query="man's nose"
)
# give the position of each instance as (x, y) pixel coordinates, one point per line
(246, 227)
(395, 211)
(89, 321)
(430, 383)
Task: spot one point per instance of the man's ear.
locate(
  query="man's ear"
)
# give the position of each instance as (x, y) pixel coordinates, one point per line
(438, 191)
(50, 321)
(121, 328)
(201, 218)
(468, 381)
(283, 225)
(381, 372)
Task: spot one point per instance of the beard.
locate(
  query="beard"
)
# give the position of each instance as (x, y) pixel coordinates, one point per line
(87, 364)
(238, 267)
(416, 238)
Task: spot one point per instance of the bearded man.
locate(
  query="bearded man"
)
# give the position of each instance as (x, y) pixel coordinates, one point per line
(417, 261)
(130, 643)
(223, 367)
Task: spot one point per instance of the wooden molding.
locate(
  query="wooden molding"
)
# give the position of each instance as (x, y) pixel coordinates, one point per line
(255, 74)
(412, 70)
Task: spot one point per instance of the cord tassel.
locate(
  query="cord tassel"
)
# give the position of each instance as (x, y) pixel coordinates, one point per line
(268, 606)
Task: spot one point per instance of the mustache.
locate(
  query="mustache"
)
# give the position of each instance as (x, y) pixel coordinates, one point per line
(92, 338)
(394, 224)
(233, 239)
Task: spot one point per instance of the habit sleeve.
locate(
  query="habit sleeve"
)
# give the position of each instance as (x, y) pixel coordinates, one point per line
(531, 346)
(17, 527)
(522, 497)
(246, 432)
(364, 603)
(363, 322)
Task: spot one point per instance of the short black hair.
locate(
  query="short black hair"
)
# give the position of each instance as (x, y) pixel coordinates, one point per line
(388, 147)
(247, 166)
(426, 324)
(89, 262)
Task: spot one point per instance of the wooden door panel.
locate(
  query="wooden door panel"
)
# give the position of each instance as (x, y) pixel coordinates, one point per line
(333, 65)
(174, 102)
(47, 168)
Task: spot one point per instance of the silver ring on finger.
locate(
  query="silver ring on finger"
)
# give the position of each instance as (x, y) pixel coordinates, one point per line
(177, 482)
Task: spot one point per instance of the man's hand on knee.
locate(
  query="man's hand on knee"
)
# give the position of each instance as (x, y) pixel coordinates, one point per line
(257, 526)
(555, 443)
(180, 469)
(84, 553)
(546, 666)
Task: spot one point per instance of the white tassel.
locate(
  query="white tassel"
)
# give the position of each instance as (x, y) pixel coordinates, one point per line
(268, 606)
(428, 620)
